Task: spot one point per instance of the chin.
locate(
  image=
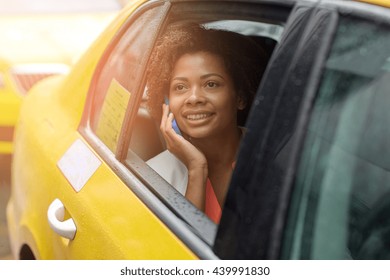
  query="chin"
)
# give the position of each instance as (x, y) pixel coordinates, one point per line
(197, 133)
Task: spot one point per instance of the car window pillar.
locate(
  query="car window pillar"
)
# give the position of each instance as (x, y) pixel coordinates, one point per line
(254, 215)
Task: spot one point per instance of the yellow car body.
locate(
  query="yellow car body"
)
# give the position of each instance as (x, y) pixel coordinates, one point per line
(115, 213)
(383, 3)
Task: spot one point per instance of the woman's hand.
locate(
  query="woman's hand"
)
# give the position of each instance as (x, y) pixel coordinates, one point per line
(178, 145)
(192, 157)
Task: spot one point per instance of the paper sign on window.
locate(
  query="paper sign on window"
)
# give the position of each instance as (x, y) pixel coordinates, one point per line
(112, 114)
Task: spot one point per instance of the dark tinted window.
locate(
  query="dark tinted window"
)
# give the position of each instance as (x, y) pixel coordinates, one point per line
(341, 203)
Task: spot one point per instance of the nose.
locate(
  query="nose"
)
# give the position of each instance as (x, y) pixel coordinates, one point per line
(196, 96)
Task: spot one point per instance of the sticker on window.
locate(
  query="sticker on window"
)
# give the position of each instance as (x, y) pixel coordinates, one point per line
(78, 164)
(112, 115)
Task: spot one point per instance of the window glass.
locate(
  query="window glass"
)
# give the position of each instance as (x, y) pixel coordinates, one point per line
(341, 198)
(120, 76)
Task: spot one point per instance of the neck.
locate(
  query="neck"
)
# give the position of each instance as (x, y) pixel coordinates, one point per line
(219, 150)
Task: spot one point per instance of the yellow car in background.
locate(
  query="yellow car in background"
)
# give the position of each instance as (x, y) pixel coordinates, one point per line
(41, 38)
(311, 180)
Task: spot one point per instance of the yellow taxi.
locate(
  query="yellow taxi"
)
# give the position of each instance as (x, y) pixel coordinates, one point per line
(312, 176)
(39, 39)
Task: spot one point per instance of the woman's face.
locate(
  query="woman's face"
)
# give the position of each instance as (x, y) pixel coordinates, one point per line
(202, 96)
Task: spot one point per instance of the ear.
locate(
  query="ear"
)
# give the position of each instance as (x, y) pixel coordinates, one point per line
(241, 103)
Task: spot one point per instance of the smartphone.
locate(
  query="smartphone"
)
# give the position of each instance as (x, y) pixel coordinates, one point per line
(176, 127)
(174, 123)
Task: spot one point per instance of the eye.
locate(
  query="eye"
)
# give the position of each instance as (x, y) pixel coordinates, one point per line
(212, 84)
(178, 87)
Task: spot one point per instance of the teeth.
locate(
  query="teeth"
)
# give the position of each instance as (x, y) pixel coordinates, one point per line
(197, 116)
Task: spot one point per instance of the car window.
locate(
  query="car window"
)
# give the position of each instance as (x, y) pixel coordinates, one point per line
(341, 199)
(119, 77)
(146, 139)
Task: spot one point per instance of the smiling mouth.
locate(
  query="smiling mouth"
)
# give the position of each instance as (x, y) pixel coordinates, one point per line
(195, 117)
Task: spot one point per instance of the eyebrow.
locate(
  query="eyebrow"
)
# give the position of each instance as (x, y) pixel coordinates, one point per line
(202, 77)
(180, 79)
(210, 75)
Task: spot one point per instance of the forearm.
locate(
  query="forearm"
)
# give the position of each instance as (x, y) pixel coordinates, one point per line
(196, 187)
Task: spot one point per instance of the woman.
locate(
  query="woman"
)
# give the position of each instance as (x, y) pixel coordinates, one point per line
(209, 77)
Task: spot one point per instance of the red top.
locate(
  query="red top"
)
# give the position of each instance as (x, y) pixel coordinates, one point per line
(212, 208)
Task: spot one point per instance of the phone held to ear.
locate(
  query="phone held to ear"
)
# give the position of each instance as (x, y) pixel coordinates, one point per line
(175, 127)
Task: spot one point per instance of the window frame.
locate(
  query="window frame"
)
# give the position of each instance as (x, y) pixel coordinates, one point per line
(85, 126)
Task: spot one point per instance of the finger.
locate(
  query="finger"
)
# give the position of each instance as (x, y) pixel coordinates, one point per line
(166, 128)
(165, 110)
(173, 139)
(169, 131)
(169, 121)
(165, 113)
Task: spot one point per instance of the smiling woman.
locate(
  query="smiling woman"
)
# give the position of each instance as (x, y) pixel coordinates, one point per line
(209, 77)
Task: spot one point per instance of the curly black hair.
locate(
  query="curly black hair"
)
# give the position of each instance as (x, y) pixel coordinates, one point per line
(244, 60)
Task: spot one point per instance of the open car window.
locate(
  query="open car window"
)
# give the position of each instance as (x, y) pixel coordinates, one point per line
(146, 140)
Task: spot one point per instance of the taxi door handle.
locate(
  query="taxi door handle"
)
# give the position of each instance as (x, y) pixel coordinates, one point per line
(55, 215)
